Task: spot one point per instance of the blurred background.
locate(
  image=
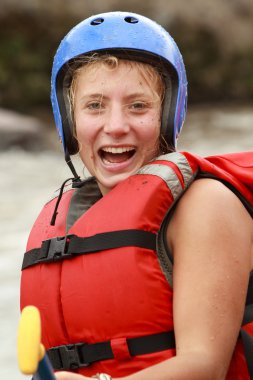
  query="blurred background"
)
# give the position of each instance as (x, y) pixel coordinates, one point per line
(216, 40)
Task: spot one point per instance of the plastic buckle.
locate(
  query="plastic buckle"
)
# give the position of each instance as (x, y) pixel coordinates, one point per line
(69, 355)
(54, 249)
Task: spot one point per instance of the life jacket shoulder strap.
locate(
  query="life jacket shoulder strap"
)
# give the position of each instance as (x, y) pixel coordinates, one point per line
(85, 195)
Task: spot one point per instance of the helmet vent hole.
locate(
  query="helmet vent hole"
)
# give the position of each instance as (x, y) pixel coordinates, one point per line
(131, 20)
(97, 21)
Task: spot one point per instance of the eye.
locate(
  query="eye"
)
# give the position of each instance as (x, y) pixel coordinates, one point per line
(138, 105)
(96, 105)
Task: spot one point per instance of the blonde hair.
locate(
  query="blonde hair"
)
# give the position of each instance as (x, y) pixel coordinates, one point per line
(152, 76)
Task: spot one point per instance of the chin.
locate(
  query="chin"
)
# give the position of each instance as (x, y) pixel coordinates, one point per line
(107, 185)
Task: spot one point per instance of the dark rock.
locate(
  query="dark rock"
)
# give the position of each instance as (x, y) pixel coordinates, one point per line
(22, 131)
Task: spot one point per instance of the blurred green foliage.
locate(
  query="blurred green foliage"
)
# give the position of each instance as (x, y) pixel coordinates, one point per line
(28, 41)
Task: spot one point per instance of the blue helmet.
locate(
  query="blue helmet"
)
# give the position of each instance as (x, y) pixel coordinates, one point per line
(129, 36)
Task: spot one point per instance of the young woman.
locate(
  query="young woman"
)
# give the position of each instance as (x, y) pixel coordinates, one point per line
(100, 257)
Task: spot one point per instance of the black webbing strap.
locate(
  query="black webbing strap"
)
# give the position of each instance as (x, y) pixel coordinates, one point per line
(60, 248)
(248, 314)
(249, 299)
(73, 356)
(247, 339)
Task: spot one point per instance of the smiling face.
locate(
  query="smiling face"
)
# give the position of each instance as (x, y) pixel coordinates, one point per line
(117, 120)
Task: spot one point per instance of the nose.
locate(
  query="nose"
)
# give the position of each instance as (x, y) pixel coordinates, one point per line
(116, 123)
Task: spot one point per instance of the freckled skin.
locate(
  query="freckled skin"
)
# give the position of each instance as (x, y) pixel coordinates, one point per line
(115, 112)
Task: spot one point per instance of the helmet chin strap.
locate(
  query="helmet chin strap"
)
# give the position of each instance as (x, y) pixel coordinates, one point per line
(72, 168)
(75, 180)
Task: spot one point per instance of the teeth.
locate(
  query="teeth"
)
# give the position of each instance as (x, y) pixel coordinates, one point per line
(119, 150)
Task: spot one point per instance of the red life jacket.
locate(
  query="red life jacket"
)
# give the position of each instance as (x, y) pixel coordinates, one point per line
(104, 285)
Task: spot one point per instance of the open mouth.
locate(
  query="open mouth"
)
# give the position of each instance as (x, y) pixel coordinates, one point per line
(116, 155)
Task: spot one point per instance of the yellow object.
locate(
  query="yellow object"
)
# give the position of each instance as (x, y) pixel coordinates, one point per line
(30, 350)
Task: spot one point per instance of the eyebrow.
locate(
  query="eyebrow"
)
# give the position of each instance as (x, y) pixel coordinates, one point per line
(127, 97)
(138, 95)
(92, 96)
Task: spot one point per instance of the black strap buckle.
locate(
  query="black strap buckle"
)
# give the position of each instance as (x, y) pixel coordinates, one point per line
(54, 249)
(68, 357)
